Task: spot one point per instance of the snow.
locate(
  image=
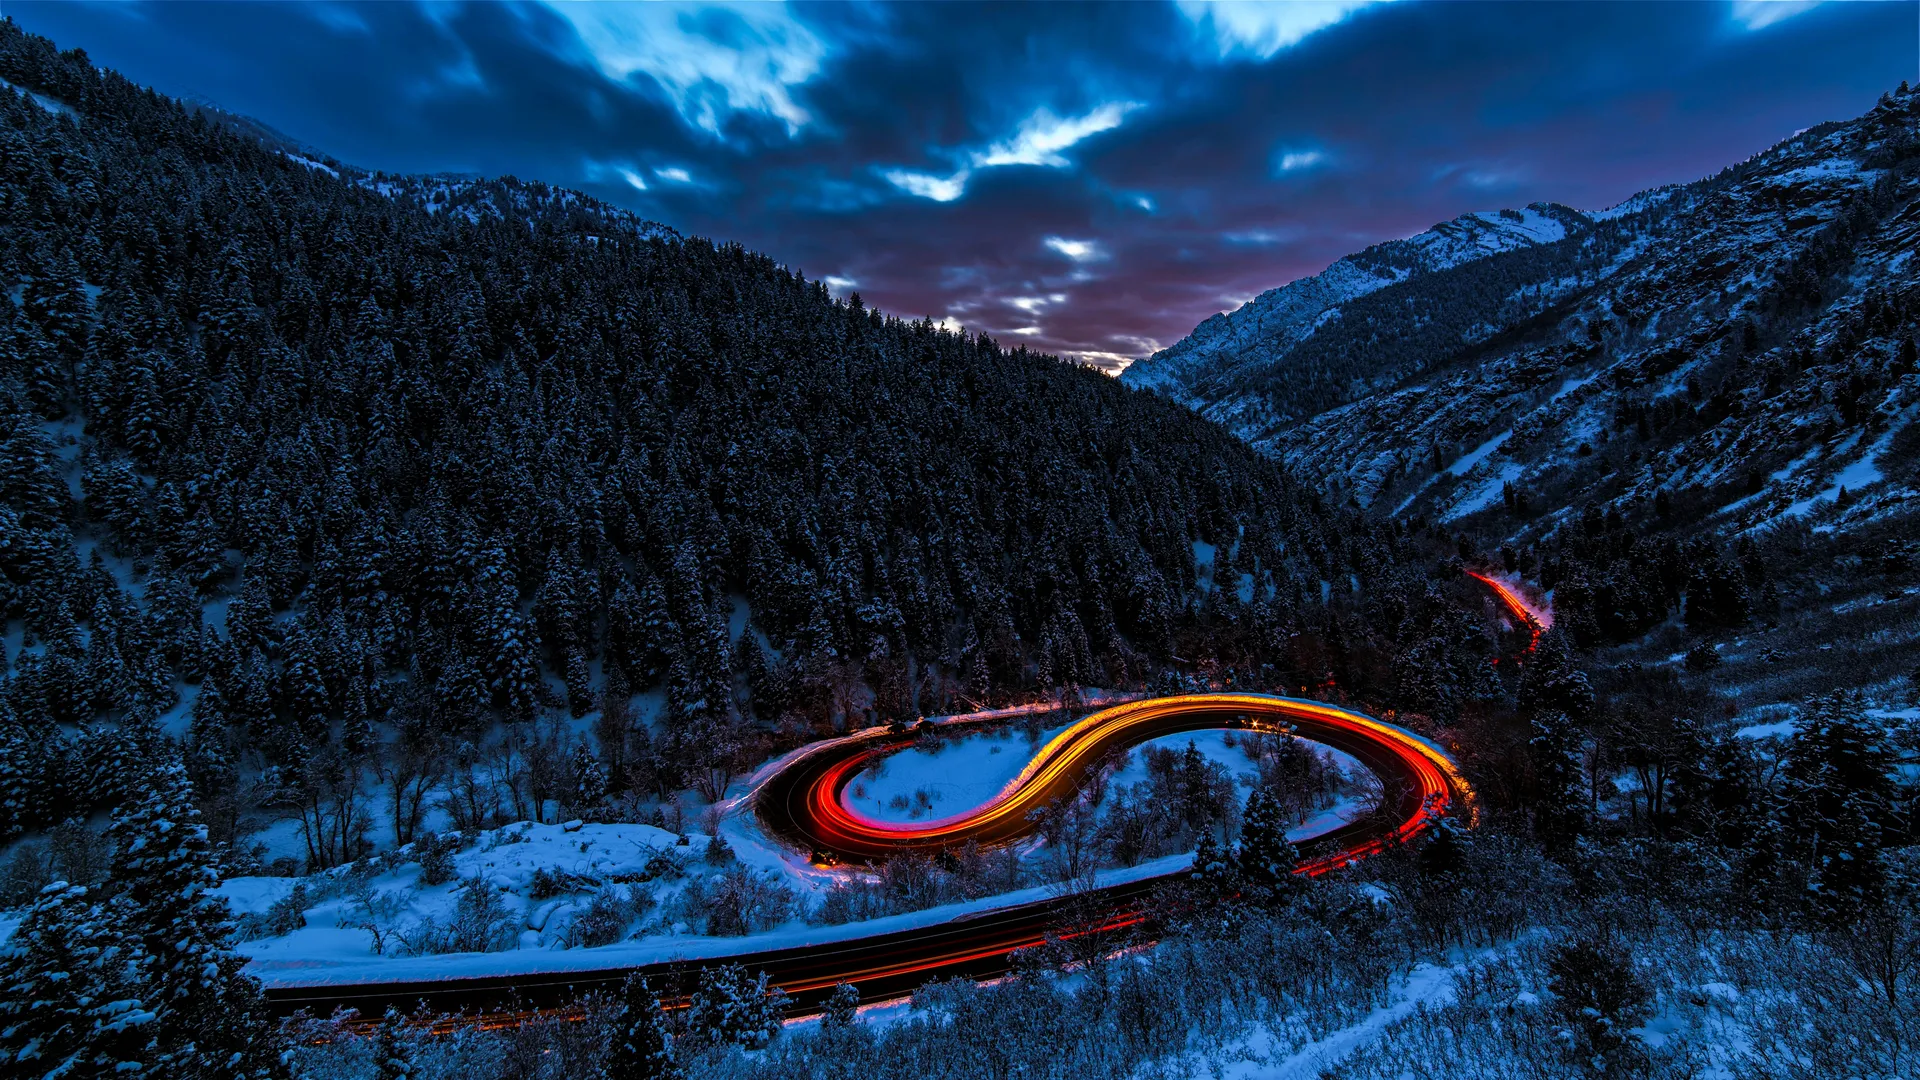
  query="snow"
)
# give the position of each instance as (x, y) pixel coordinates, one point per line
(1272, 323)
(1856, 474)
(1570, 386)
(1485, 495)
(1478, 454)
(1203, 554)
(316, 166)
(52, 105)
(1426, 986)
(1832, 167)
(348, 963)
(1786, 472)
(943, 778)
(335, 948)
(1778, 728)
(1414, 494)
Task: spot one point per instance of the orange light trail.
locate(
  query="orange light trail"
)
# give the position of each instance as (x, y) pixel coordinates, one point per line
(801, 800)
(1073, 753)
(1536, 621)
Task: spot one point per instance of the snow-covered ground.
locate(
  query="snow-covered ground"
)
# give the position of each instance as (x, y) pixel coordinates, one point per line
(650, 871)
(946, 777)
(330, 962)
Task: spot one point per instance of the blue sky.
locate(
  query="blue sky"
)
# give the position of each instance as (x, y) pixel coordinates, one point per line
(1092, 180)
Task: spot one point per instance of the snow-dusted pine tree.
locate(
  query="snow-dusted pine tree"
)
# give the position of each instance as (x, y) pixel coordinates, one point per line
(71, 999)
(1266, 858)
(731, 1009)
(211, 1020)
(642, 1049)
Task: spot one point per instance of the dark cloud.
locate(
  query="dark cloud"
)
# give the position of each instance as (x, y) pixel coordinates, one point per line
(1175, 173)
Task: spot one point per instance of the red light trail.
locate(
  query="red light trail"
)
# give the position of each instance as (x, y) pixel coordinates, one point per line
(801, 802)
(1534, 619)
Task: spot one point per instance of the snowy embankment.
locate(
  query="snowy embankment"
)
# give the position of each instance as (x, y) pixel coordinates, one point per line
(343, 968)
(659, 874)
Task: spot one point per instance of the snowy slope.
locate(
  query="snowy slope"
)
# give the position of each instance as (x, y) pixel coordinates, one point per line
(1264, 329)
(1754, 425)
(1758, 317)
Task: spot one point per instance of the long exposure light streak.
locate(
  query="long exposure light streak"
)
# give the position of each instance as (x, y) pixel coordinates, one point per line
(1536, 620)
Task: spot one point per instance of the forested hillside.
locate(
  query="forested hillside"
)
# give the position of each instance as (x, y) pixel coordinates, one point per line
(1692, 417)
(319, 468)
(1380, 315)
(468, 537)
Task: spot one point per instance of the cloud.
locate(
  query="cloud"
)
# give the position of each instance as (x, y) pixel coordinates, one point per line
(1261, 28)
(1760, 14)
(1259, 236)
(904, 147)
(337, 17)
(1038, 141)
(711, 60)
(1298, 160)
(1112, 363)
(1077, 250)
(1042, 136)
(928, 186)
(604, 171)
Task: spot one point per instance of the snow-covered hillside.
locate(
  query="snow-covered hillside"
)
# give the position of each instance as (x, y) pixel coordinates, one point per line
(1200, 370)
(1742, 348)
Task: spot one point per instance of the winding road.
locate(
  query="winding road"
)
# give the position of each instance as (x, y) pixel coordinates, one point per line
(801, 803)
(1536, 620)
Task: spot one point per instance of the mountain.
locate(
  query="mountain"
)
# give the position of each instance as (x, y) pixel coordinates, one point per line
(303, 463)
(1232, 354)
(1728, 362)
(1770, 303)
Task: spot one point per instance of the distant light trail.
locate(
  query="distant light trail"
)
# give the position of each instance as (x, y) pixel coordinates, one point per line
(1534, 619)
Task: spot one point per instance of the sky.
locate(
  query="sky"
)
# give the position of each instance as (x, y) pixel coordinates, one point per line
(1090, 180)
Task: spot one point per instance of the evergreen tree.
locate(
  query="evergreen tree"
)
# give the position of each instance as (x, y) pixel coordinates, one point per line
(392, 1050)
(1213, 868)
(1839, 788)
(579, 682)
(72, 1002)
(841, 1009)
(589, 779)
(212, 1020)
(1266, 858)
(1552, 682)
(642, 1048)
(731, 1009)
(1559, 782)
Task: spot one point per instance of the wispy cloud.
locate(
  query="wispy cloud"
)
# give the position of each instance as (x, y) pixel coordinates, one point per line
(602, 171)
(1039, 141)
(927, 185)
(1077, 250)
(712, 60)
(1760, 14)
(1261, 29)
(1299, 160)
(1042, 136)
